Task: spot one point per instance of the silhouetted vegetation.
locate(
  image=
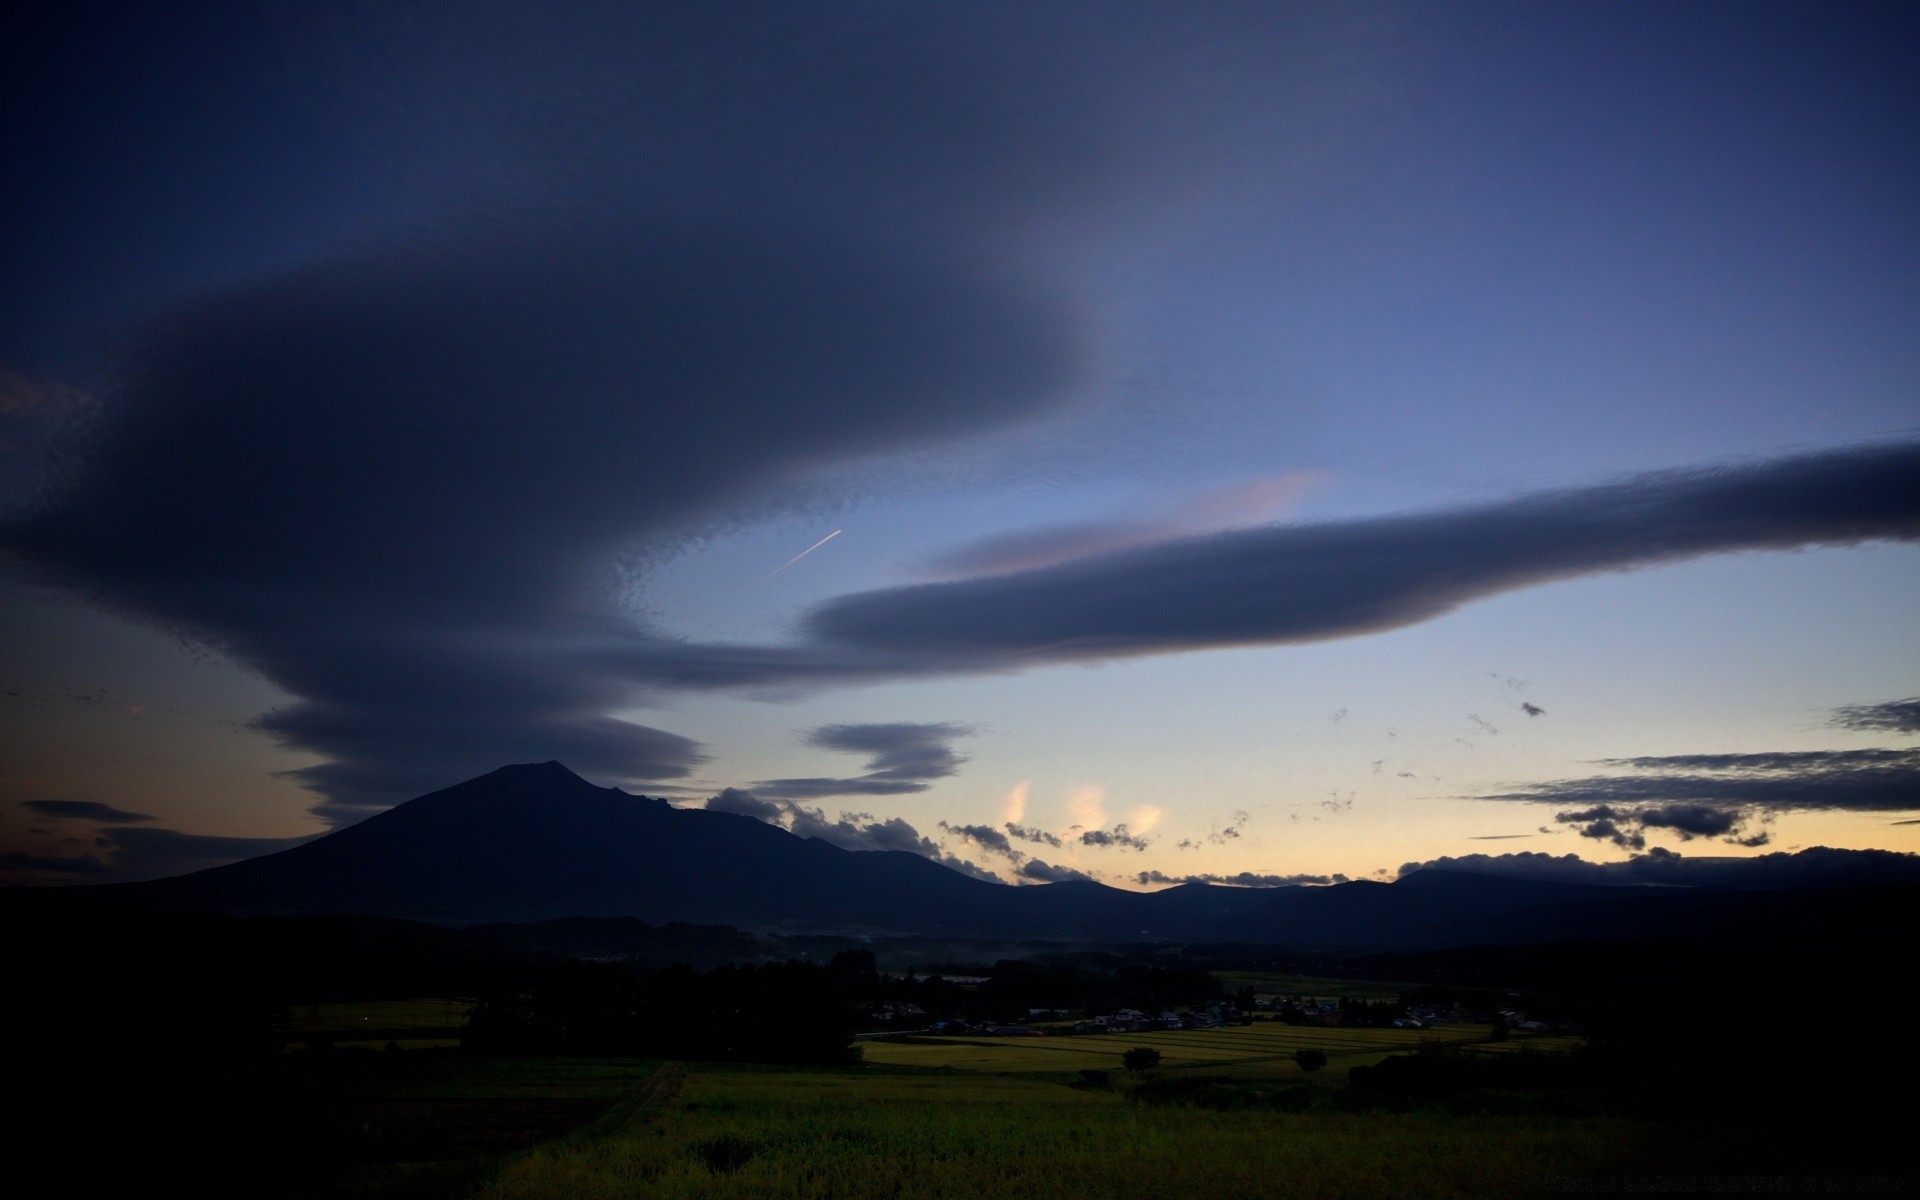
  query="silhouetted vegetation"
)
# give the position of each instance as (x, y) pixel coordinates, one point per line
(1140, 1058)
(775, 1013)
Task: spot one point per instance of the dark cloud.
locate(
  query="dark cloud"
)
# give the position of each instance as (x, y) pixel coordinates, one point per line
(1718, 795)
(412, 485)
(1308, 583)
(84, 810)
(1245, 879)
(746, 804)
(1627, 826)
(1228, 832)
(1498, 837)
(986, 837)
(1688, 820)
(18, 861)
(1854, 780)
(397, 486)
(1028, 833)
(1898, 716)
(1043, 872)
(1815, 866)
(1532, 709)
(851, 831)
(1119, 836)
(903, 757)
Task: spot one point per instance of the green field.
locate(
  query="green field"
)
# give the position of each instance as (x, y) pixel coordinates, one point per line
(1263, 1048)
(919, 1135)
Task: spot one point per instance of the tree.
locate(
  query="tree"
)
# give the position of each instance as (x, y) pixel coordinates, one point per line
(1310, 1060)
(1140, 1058)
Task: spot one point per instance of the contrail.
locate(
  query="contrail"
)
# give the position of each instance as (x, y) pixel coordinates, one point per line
(796, 558)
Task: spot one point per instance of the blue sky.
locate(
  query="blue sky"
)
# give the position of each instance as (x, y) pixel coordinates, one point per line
(392, 394)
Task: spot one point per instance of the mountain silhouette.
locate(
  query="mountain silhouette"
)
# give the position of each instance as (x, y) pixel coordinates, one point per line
(536, 842)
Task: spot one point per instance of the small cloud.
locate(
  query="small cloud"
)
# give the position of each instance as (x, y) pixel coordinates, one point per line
(986, 837)
(1013, 809)
(1028, 833)
(1118, 836)
(852, 831)
(1498, 837)
(1233, 829)
(1088, 806)
(746, 804)
(1043, 872)
(1485, 726)
(903, 758)
(1532, 709)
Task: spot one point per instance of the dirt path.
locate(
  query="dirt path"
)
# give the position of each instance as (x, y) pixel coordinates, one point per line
(645, 1103)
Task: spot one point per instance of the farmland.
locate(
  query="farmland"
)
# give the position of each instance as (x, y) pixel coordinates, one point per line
(747, 1132)
(1266, 1047)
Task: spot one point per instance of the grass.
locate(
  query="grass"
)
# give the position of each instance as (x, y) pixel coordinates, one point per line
(873, 1132)
(1265, 1047)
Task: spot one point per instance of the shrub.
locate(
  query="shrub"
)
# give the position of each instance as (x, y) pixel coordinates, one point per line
(1140, 1058)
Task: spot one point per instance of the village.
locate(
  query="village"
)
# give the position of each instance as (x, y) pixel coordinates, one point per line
(905, 1017)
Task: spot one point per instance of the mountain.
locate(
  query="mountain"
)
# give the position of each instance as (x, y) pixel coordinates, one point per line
(536, 842)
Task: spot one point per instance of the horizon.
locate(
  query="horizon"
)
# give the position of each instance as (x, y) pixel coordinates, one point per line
(1249, 448)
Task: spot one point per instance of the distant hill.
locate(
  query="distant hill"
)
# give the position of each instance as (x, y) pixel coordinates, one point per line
(536, 843)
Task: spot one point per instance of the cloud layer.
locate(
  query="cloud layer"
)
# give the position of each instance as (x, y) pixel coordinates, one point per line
(1722, 795)
(1893, 716)
(395, 485)
(1306, 583)
(1310, 583)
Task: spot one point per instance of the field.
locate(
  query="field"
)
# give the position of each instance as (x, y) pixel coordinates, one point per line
(1261, 1049)
(1228, 1114)
(877, 1132)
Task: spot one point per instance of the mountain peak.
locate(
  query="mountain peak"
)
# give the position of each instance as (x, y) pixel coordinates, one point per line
(553, 768)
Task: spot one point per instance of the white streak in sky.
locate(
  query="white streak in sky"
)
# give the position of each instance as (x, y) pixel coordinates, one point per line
(796, 558)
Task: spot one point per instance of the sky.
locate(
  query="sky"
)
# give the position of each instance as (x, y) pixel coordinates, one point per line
(1260, 444)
